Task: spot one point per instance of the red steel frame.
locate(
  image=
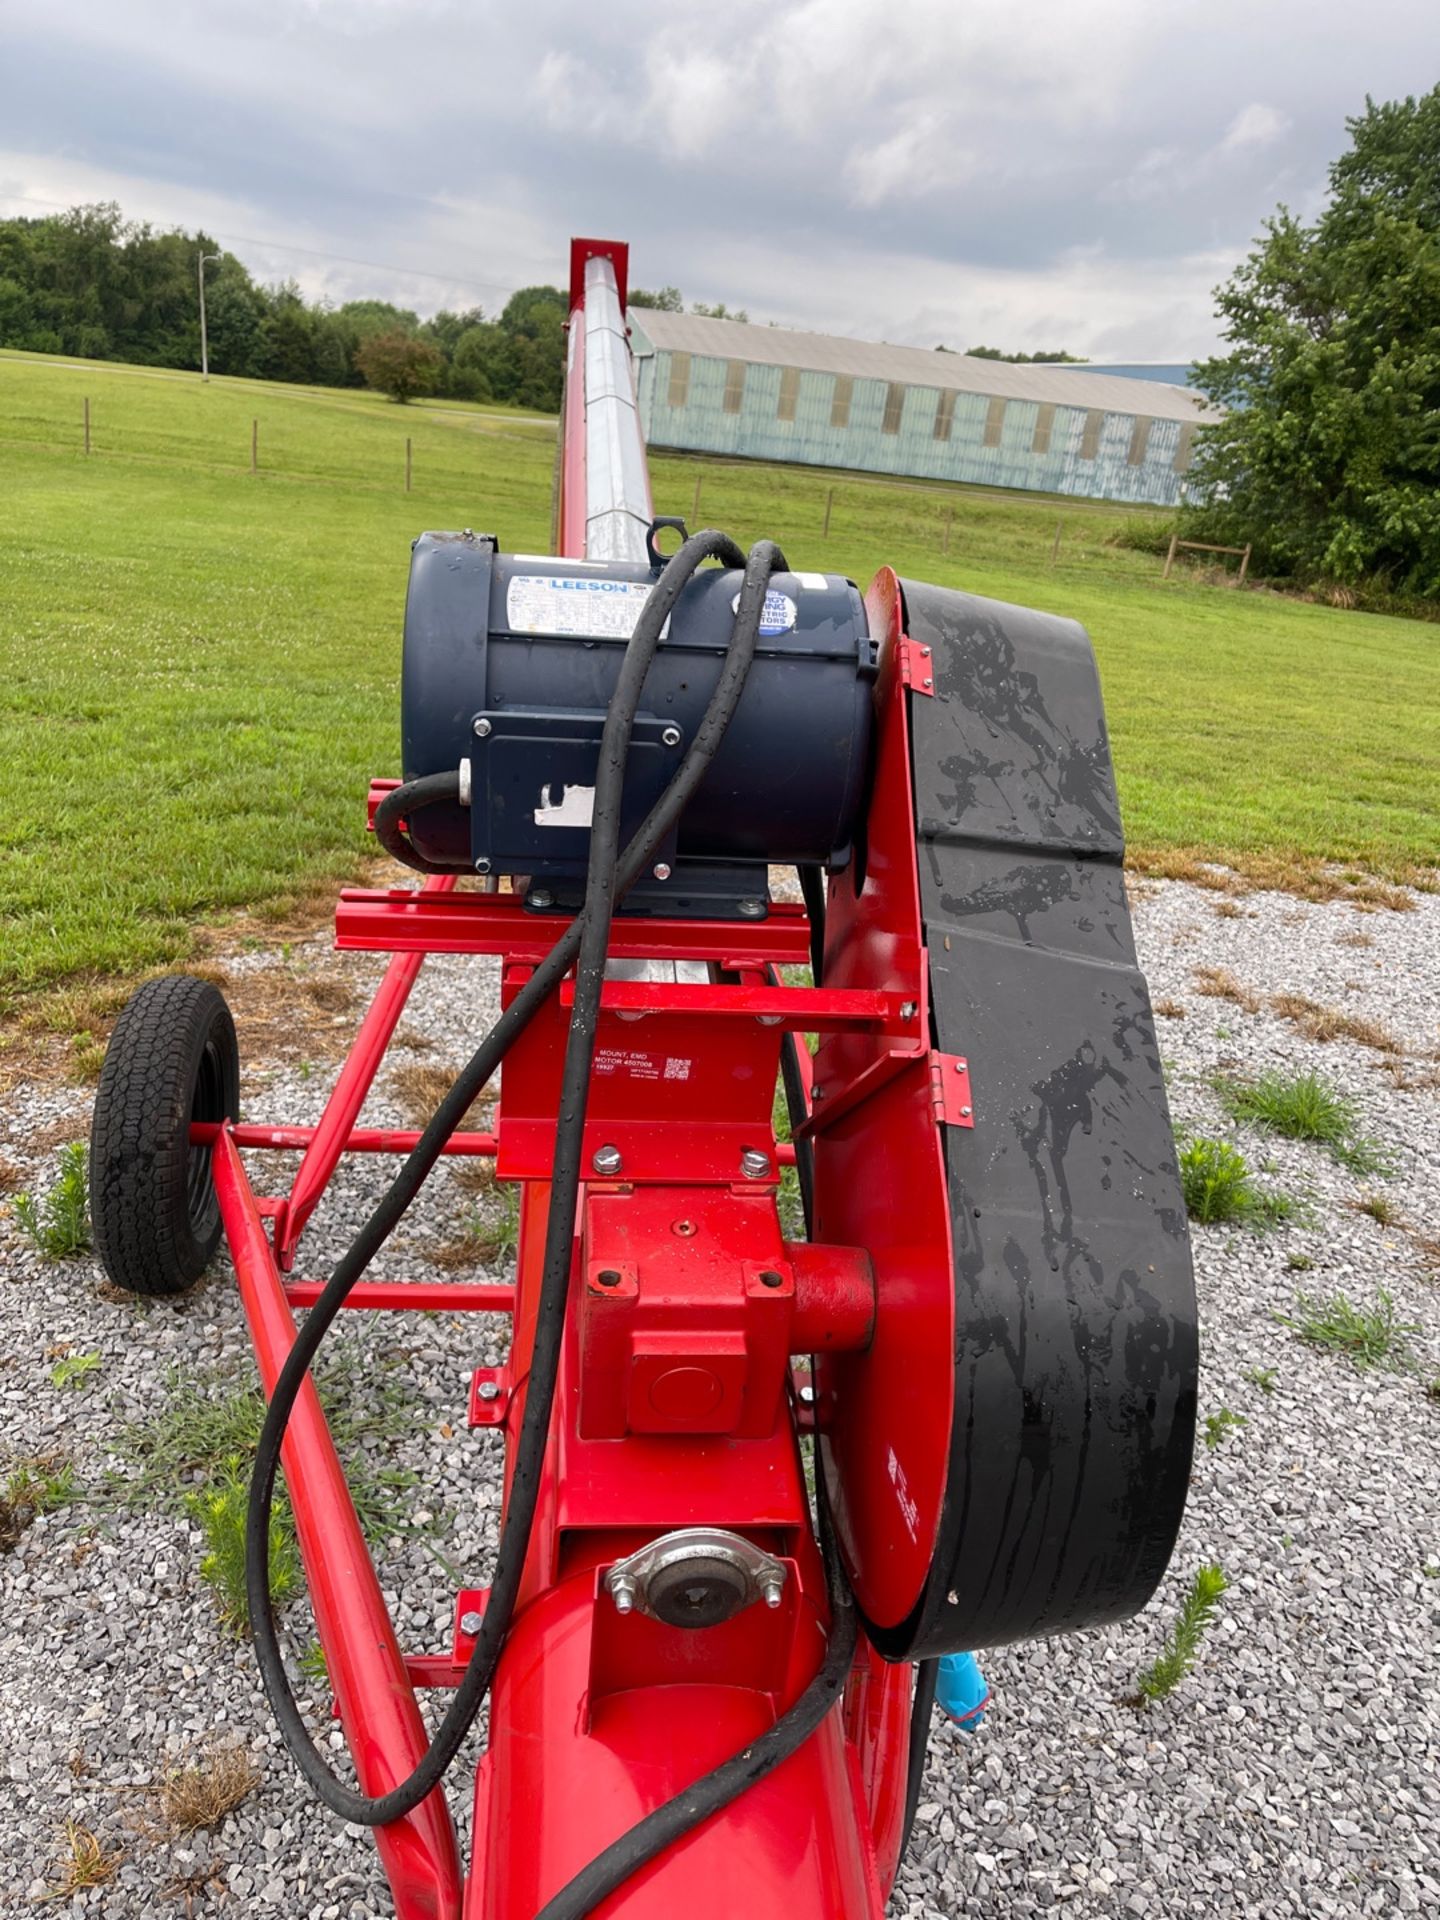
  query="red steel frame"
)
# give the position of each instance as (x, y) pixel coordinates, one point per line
(676, 1405)
(608, 1493)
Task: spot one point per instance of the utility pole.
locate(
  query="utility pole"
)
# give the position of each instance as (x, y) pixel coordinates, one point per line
(204, 343)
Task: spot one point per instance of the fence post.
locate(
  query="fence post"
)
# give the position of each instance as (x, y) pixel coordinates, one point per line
(254, 446)
(695, 510)
(945, 538)
(1244, 565)
(1170, 556)
(87, 424)
(1055, 546)
(829, 502)
(407, 463)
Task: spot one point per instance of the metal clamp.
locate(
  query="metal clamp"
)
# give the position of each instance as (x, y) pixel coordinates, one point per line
(696, 1577)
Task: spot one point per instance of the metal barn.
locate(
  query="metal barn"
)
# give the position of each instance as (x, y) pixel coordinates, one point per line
(767, 393)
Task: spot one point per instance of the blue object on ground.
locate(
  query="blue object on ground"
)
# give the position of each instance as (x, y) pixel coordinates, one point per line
(961, 1690)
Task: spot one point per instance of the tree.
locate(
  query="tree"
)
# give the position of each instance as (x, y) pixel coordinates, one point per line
(1056, 358)
(719, 311)
(399, 364)
(663, 300)
(1329, 456)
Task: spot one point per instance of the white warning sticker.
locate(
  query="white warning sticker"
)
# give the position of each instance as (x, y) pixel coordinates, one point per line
(777, 615)
(574, 608)
(812, 582)
(633, 1063)
(909, 1511)
(574, 808)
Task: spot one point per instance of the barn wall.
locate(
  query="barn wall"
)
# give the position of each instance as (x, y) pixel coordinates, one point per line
(756, 432)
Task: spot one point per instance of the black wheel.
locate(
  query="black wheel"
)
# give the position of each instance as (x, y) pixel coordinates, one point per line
(172, 1059)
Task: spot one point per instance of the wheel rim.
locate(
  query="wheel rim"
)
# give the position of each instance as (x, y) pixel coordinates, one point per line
(208, 1104)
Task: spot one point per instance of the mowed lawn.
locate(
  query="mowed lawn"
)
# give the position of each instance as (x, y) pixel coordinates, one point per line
(200, 665)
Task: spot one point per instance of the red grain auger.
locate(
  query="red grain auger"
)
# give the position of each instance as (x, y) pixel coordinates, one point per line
(709, 1683)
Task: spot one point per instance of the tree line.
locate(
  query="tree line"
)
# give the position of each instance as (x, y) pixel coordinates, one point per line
(90, 283)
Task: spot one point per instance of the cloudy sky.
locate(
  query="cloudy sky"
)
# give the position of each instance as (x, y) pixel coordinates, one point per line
(1026, 173)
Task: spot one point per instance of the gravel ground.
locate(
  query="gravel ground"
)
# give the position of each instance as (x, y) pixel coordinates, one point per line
(1297, 1772)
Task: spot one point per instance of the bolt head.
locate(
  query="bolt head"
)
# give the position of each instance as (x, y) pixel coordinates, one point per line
(483, 728)
(622, 1592)
(488, 1390)
(540, 897)
(662, 870)
(607, 1160)
(750, 909)
(471, 1622)
(772, 1279)
(670, 736)
(482, 865)
(966, 1112)
(770, 1591)
(908, 1009)
(754, 1164)
(928, 681)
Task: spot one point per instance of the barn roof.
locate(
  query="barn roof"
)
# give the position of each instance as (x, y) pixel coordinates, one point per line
(1068, 386)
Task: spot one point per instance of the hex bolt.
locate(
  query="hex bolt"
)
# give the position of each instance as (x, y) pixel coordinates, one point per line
(770, 1590)
(807, 1396)
(488, 1390)
(471, 1622)
(925, 652)
(928, 681)
(662, 870)
(540, 897)
(754, 1164)
(908, 1009)
(750, 909)
(608, 1277)
(772, 1279)
(483, 728)
(482, 865)
(623, 1592)
(965, 1112)
(670, 736)
(607, 1160)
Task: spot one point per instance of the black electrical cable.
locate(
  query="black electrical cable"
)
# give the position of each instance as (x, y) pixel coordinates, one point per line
(797, 1111)
(608, 880)
(812, 887)
(401, 803)
(795, 1107)
(922, 1708)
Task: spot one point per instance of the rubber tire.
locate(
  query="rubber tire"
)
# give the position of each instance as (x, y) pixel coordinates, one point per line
(172, 1058)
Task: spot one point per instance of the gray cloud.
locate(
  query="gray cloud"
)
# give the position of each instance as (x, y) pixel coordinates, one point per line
(919, 170)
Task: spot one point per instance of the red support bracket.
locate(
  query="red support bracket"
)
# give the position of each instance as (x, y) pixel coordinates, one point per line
(950, 1085)
(917, 669)
(489, 1396)
(470, 1605)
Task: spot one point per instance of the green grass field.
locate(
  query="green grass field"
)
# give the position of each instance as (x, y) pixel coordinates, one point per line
(200, 665)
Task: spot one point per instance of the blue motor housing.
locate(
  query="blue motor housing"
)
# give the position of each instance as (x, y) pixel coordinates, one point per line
(509, 666)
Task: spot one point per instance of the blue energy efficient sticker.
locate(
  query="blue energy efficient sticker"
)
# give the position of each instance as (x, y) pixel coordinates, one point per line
(778, 614)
